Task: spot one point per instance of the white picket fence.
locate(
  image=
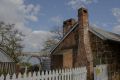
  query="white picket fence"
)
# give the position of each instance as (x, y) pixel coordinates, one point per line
(62, 74)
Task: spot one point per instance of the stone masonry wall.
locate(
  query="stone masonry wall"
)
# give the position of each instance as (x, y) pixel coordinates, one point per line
(68, 59)
(56, 61)
(106, 52)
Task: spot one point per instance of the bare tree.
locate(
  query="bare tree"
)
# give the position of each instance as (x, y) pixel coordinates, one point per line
(10, 40)
(58, 33)
(51, 42)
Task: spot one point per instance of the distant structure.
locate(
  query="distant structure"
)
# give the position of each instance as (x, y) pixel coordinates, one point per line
(43, 58)
(84, 45)
(7, 64)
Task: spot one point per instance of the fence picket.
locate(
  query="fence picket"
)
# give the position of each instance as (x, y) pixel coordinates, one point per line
(8, 77)
(73, 74)
(38, 76)
(77, 74)
(46, 75)
(34, 76)
(25, 76)
(70, 74)
(14, 77)
(56, 74)
(20, 76)
(53, 78)
(61, 74)
(2, 77)
(42, 75)
(29, 76)
(67, 74)
(50, 75)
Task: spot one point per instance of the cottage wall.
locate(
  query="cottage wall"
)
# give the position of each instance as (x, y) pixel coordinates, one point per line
(68, 59)
(56, 61)
(106, 52)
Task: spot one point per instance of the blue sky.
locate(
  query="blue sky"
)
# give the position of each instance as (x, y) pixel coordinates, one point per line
(100, 13)
(36, 18)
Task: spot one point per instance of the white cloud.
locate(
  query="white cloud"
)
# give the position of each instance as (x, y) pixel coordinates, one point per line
(57, 20)
(35, 40)
(15, 11)
(94, 25)
(75, 4)
(19, 13)
(116, 29)
(116, 13)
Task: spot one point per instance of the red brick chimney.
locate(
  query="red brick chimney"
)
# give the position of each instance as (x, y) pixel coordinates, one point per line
(67, 25)
(84, 50)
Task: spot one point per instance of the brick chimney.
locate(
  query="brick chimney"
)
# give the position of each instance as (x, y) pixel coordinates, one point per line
(67, 25)
(84, 50)
(83, 17)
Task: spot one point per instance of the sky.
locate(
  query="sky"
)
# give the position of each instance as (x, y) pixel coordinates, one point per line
(36, 18)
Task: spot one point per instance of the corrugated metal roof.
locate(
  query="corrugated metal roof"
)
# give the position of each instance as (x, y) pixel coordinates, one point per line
(105, 34)
(4, 57)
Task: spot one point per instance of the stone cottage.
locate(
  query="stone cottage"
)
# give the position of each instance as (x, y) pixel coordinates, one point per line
(84, 45)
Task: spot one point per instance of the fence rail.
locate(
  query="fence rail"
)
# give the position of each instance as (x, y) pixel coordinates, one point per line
(61, 74)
